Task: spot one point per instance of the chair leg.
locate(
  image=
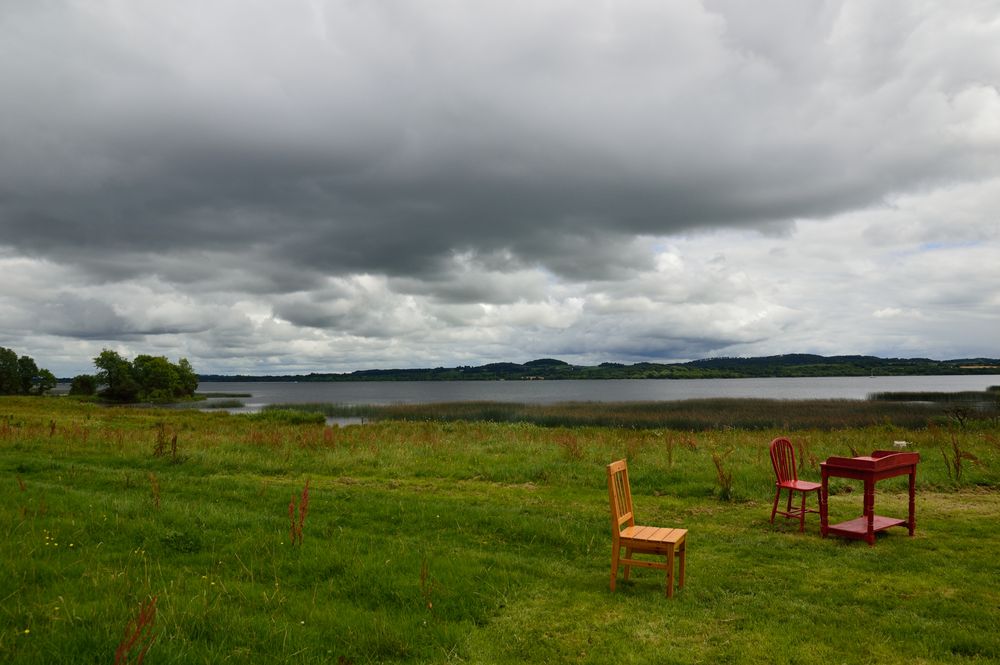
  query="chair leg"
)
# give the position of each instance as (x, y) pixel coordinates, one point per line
(670, 572)
(788, 507)
(682, 551)
(774, 508)
(614, 565)
(628, 568)
(802, 514)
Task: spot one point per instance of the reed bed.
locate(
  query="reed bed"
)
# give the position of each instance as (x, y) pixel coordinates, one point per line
(990, 396)
(692, 414)
(222, 404)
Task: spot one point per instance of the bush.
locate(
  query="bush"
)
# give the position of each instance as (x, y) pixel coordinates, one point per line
(83, 384)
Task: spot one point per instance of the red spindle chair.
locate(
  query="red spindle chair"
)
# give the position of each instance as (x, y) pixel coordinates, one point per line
(640, 539)
(783, 460)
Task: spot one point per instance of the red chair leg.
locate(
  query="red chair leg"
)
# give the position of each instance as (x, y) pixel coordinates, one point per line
(774, 508)
(802, 515)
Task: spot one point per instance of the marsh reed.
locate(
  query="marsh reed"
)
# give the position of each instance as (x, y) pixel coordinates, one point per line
(693, 414)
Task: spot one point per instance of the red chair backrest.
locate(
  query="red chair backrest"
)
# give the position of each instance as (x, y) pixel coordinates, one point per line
(783, 460)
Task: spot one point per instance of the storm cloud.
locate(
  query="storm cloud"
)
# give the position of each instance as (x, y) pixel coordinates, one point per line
(309, 185)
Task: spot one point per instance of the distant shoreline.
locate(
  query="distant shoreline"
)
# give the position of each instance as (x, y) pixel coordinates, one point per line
(549, 369)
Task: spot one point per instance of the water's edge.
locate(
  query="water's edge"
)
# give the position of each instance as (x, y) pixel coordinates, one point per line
(592, 390)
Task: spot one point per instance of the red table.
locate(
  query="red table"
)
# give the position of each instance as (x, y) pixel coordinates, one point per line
(879, 465)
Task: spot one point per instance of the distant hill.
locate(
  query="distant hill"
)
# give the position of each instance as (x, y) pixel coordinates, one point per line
(789, 365)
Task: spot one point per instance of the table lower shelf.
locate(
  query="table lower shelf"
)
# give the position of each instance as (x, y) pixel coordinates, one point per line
(858, 527)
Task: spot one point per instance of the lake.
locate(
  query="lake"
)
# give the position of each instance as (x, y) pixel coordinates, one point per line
(596, 390)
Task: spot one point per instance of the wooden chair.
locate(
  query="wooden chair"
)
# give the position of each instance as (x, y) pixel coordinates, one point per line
(640, 539)
(783, 461)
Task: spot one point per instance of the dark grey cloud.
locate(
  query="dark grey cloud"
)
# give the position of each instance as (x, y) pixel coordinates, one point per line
(385, 160)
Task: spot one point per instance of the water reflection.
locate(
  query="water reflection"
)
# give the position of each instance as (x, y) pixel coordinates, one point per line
(344, 422)
(593, 390)
(227, 404)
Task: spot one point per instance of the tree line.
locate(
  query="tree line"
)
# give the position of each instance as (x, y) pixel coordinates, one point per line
(22, 376)
(789, 365)
(145, 379)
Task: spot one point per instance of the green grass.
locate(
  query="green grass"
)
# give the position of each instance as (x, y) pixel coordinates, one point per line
(471, 542)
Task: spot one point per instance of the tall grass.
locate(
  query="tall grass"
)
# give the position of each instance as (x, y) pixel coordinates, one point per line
(223, 404)
(694, 414)
(988, 396)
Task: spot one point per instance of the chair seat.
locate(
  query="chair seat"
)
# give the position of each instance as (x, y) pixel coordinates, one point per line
(651, 539)
(799, 485)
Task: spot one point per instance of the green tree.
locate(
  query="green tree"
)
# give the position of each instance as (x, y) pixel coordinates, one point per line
(10, 373)
(115, 374)
(187, 379)
(156, 375)
(83, 384)
(44, 382)
(22, 376)
(28, 371)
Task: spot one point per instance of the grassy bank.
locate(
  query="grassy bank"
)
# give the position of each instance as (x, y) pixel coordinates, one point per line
(471, 542)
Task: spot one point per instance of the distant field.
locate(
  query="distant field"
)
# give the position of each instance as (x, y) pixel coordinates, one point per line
(429, 541)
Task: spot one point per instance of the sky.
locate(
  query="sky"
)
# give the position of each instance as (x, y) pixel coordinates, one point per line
(286, 187)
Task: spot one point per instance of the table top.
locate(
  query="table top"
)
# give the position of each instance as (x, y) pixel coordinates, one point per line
(879, 460)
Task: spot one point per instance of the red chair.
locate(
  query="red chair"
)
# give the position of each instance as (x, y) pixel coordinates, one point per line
(783, 461)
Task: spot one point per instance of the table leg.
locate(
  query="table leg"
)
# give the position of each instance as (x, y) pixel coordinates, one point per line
(912, 522)
(870, 510)
(822, 504)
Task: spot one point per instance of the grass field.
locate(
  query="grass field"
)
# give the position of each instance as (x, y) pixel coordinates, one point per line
(470, 542)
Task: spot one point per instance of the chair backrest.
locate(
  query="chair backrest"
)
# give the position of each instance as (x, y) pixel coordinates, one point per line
(620, 495)
(783, 460)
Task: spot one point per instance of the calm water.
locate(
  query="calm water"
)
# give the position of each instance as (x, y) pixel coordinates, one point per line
(624, 390)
